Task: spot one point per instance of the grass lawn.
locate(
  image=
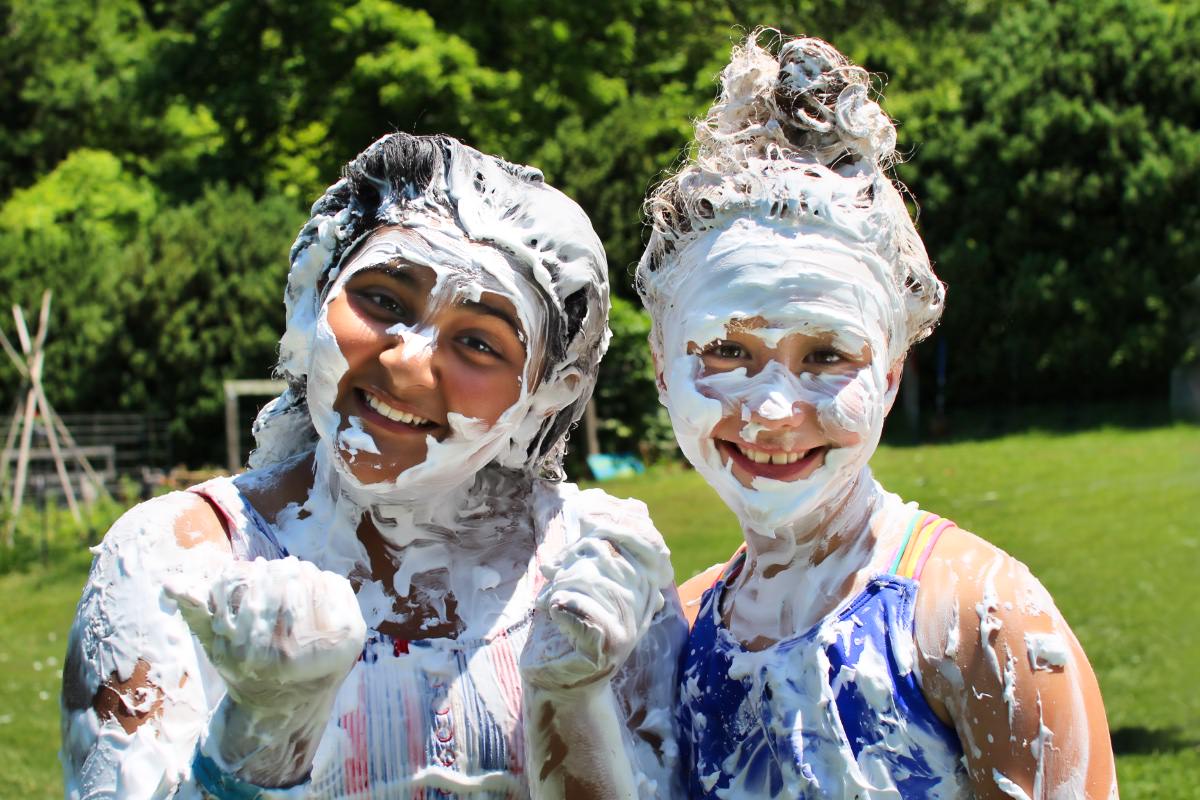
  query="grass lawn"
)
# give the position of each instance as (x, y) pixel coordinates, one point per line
(1107, 519)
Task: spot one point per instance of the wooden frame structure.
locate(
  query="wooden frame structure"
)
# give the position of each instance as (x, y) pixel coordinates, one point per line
(234, 390)
(32, 403)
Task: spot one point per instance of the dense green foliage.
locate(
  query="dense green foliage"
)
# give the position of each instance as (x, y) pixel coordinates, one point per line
(156, 159)
(1060, 193)
(1062, 504)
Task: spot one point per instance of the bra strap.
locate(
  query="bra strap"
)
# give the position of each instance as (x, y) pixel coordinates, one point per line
(900, 551)
(919, 540)
(223, 515)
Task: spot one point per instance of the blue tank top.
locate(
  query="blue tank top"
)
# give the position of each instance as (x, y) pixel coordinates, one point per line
(833, 713)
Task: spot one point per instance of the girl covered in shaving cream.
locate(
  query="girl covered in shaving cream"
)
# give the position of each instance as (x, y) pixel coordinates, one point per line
(400, 599)
(857, 646)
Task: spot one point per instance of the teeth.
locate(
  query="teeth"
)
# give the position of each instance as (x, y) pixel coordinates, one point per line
(394, 413)
(764, 457)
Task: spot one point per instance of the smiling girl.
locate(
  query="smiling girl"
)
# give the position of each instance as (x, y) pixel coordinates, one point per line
(857, 646)
(401, 599)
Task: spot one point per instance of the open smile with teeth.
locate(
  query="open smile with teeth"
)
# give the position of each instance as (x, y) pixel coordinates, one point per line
(781, 465)
(770, 457)
(394, 413)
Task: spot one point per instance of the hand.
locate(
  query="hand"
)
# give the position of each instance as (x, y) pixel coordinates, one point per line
(276, 631)
(600, 596)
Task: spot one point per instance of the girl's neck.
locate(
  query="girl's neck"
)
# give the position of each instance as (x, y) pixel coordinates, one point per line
(453, 565)
(798, 574)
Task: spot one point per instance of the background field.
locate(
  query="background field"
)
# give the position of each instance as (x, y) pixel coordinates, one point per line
(1107, 519)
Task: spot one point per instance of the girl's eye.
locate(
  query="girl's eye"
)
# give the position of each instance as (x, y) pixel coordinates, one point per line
(385, 302)
(478, 345)
(826, 357)
(725, 350)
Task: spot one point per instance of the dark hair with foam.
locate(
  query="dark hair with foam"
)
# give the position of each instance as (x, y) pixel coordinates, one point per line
(544, 234)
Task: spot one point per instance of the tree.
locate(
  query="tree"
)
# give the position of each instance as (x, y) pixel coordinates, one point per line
(1059, 201)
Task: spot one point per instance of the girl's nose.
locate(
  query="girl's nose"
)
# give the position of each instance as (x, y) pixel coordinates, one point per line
(774, 399)
(776, 411)
(410, 360)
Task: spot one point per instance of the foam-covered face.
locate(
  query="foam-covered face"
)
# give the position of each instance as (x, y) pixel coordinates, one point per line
(421, 369)
(775, 367)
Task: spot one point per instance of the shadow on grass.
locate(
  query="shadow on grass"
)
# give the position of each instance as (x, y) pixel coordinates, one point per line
(978, 423)
(1139, 740)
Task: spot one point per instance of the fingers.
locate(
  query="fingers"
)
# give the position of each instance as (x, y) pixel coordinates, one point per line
(283, 620)
(579, 617)
(636, 541)
(553, 662)
(623, 593)
(191, 595)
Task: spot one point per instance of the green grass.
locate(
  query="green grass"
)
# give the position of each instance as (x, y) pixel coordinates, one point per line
(37, 609)
(1108, 519)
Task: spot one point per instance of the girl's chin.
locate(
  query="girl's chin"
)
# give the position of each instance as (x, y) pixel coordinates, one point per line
(369, 469)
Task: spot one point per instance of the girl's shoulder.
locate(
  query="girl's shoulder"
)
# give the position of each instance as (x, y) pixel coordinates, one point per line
(981, 614)
(691, 591)
(965, 567)
(997, 659)
(181, 518)
(271, 489)
(964, 576)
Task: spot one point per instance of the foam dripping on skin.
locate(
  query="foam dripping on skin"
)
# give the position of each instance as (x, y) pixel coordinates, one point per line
(989, 623)
(1046, 651)
(472, 503)
(353, 438)
(800, 572)
(1009, 693)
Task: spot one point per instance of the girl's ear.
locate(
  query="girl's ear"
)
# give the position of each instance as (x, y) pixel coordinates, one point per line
(658, 370)
(893, 385)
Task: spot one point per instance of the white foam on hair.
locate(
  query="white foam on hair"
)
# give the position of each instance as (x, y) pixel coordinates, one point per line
(795, 140)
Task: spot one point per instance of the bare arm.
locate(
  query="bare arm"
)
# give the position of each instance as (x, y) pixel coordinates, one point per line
(600, 665)
(136, 692)
(275, 641)
(1001, 664)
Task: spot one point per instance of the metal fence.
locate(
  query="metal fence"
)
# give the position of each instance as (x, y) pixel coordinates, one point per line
(116, 445)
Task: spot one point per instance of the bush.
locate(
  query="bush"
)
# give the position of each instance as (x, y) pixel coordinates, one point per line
(157, 323)
(204, 304)
(1060, 204)
(631, 418)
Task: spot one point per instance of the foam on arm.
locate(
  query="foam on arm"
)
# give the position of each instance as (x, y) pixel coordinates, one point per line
(1016, 685)
(136, 691)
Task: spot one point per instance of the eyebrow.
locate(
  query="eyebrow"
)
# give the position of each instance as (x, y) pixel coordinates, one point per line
(479, 307)
(395, 270)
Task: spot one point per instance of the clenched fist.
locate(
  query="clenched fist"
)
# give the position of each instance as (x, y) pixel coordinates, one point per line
(601, 593)
(276, 631)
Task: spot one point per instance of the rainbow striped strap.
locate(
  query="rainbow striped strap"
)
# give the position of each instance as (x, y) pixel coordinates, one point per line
(924, 529)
